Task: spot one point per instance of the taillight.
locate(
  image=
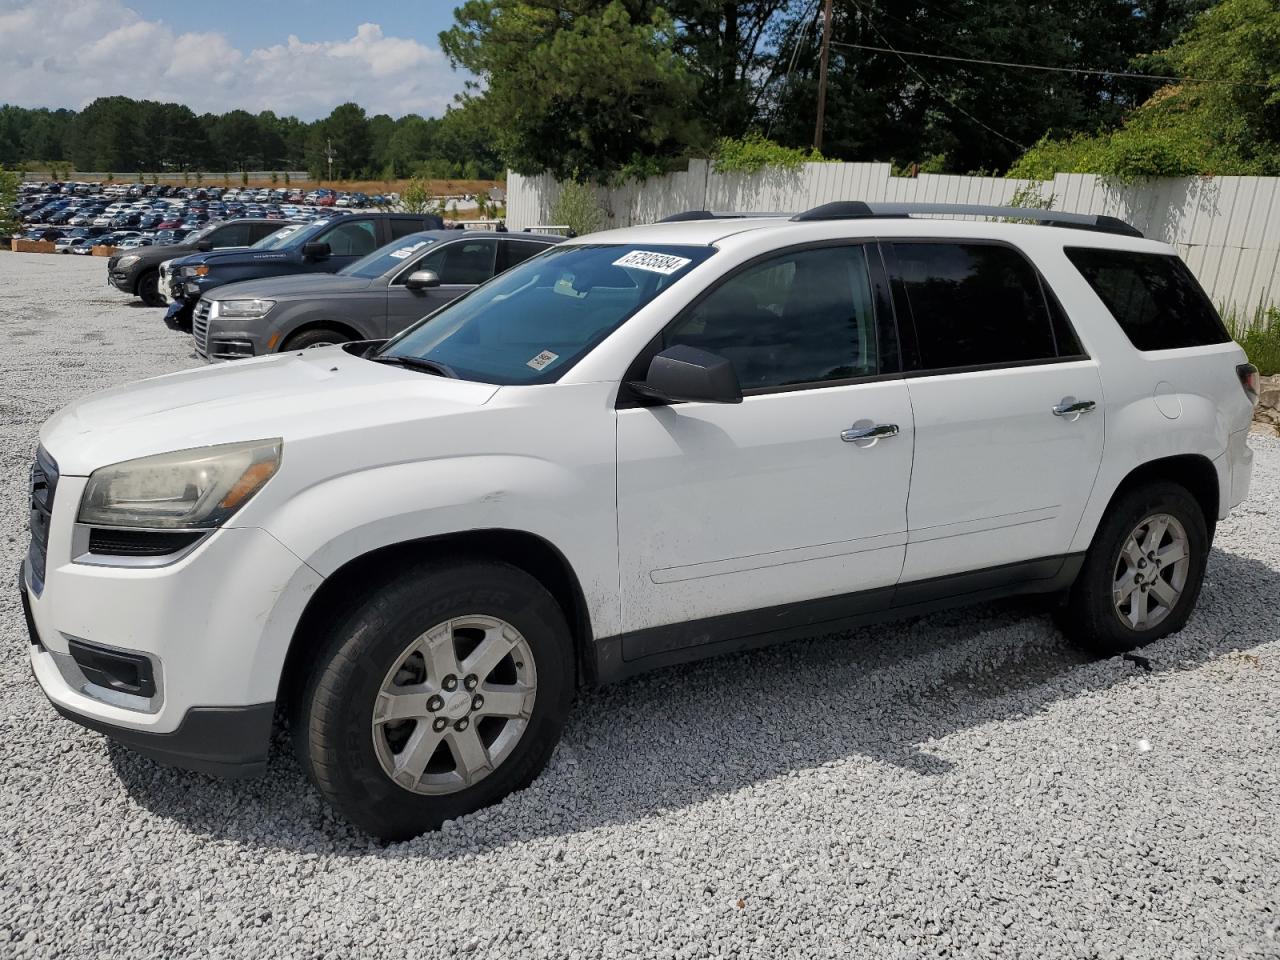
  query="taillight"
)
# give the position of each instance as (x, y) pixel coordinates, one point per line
(1248, 375)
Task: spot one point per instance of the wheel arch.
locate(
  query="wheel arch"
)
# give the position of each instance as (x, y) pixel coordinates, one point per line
(1193, 471)
(341, 326)
(526, 551)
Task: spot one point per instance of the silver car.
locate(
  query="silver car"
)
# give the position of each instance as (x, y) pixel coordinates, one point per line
(371, 299)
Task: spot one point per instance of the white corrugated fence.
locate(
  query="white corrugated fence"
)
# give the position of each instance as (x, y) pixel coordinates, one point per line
(1226, 228)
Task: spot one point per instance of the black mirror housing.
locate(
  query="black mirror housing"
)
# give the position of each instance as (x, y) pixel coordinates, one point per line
(315, 251)
(687, 374)
(204, 246)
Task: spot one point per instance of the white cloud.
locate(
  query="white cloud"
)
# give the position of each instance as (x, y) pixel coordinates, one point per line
(65, 53)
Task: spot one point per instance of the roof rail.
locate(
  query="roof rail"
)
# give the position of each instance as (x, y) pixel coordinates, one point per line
(714, 215)
(860, 209)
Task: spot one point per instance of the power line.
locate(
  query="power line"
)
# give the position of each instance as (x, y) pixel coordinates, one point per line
(921, 77)
(1039, 66)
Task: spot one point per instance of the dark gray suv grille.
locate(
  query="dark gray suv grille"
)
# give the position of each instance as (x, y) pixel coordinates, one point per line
(44, 483)
(200, 327)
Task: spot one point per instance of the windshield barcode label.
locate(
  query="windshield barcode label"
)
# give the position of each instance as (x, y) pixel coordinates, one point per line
(663, 263)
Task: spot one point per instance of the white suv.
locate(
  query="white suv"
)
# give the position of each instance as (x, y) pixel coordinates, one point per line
(640, 448)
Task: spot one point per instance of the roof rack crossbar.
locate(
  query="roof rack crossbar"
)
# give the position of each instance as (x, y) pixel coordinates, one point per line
(860, 209)
(717, 215)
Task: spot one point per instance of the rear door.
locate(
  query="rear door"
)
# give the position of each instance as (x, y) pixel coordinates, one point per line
(1008, 411)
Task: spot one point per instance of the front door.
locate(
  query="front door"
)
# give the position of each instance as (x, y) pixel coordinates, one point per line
(460, 264)
(730, 508)
(1008, 412)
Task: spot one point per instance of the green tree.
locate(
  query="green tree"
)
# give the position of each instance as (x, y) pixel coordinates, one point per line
(585, 88)
(1190, 128)
(416, 197)
(347, 129)
(10, 181)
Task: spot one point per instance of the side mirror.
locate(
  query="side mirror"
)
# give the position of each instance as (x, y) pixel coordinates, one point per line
(315, 251)
(204, 246)
(684, 373)
(421, 280)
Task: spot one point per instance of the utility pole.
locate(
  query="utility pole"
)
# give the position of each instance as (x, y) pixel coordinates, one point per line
(822, 74)
(328, 152)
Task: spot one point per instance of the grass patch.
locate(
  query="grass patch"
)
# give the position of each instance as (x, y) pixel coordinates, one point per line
(1258, 331)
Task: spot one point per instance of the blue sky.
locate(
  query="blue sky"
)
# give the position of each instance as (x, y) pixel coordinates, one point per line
(254, 23)
(300, 57)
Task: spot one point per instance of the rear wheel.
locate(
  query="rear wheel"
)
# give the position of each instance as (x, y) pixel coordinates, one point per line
(149, 289)
(440, 694)
(1143, 572)
(314, 338)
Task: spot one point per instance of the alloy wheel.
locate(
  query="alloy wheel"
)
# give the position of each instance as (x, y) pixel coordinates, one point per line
(454, 705)
(1151, 572)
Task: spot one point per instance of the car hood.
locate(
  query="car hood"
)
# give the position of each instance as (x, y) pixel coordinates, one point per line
(303, 285)
(235, 255)
(296, 396)
(165, 252)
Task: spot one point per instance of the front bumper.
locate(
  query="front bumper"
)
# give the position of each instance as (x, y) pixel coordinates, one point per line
(122, 280)
(214, 627)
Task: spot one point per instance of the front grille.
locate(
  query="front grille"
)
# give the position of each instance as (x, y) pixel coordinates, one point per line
(44, 484)
(200, 327)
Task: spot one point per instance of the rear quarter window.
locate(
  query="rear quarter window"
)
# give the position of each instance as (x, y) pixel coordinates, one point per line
(1154, 298)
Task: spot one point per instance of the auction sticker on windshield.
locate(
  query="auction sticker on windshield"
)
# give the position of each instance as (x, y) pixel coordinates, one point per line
(543, 359)
(663, 263)
(405, 251)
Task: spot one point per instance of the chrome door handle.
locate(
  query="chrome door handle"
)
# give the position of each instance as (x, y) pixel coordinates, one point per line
(878, 431)
(1071, 407)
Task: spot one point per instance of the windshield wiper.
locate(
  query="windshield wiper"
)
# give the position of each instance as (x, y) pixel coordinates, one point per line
(417, 363)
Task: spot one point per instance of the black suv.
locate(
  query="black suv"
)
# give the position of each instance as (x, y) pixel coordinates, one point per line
(325, 246)
(137, 271)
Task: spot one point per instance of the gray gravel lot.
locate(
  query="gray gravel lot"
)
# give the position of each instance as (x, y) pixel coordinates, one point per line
(959, 785)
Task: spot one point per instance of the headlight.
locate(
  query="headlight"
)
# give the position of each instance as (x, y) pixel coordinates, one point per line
(244, 309)
(128, 261)
(188, 488)
(197, 271)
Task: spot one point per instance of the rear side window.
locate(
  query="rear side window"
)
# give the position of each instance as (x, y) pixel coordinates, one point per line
(511, 252)
(402, 227)
(974, 305)
(1155, 299)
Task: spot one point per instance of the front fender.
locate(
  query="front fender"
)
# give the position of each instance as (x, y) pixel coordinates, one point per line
(346, 517)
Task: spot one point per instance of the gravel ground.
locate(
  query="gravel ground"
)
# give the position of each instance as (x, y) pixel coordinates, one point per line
(956, 786)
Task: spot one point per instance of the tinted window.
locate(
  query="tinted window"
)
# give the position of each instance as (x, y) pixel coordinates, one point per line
(974, 304)
(802, 317)
(231, 235)
(402, 228)
(259, 230)
(462, 261)
(350, 239)
(1155, 299)
(511, 252)
(394, 256)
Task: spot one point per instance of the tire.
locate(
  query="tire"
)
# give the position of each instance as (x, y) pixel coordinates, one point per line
(349, 749)
(1093, 616)
(315, 337)
(149, 289)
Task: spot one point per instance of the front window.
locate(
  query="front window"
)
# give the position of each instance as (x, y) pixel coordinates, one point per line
(279, 238)
(534, 322)
(387, 258)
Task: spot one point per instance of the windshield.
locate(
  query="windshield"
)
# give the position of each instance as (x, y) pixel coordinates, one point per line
(278, 239)
(203, 232)
(373, 265)
(534, 322)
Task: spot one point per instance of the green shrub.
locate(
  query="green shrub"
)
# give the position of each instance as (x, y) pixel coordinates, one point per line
(753, 153)
(578, 207)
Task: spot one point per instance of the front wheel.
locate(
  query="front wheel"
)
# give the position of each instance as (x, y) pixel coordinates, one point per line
(440, 694)
(314, 338)
(149, 289)
(1143, 571)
